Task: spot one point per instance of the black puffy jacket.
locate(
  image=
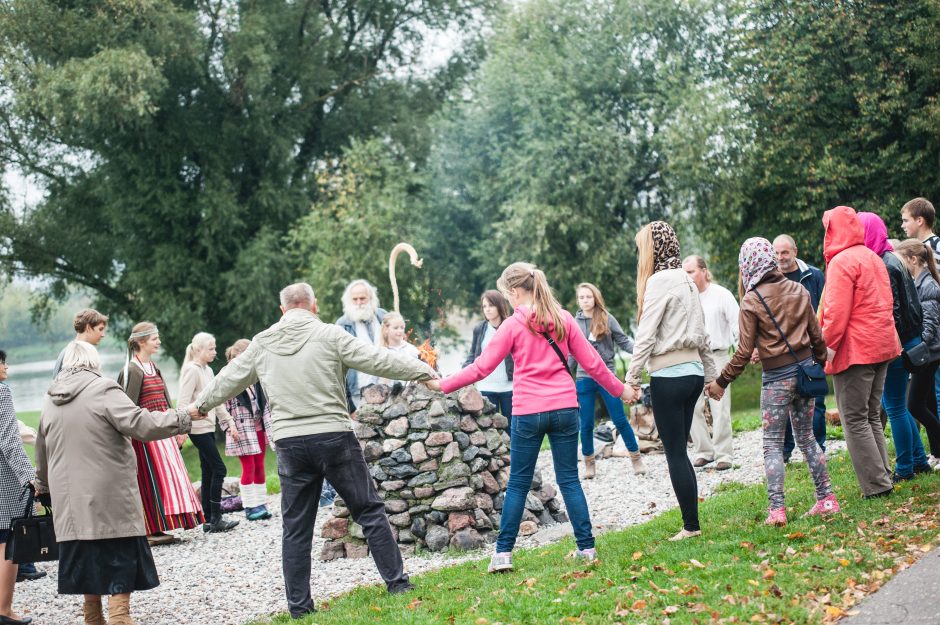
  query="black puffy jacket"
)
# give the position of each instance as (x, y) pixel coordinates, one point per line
(908, 316)
(929, 292)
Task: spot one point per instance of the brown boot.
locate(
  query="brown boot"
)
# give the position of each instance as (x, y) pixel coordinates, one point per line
(92, 611)
(637, 459)
(589, 467)
(119, 610)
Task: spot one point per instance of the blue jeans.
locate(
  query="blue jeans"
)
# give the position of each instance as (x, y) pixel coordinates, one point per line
(528, 430)
(587, 388)
(503, 402)
(908, 448)
(819, 429)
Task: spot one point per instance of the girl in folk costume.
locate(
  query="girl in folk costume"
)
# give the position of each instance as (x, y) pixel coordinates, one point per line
(168, 497)
(252, 421)
(195, 375)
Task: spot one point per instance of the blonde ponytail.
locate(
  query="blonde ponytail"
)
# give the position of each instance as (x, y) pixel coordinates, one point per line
(545, 308)
(199, 342)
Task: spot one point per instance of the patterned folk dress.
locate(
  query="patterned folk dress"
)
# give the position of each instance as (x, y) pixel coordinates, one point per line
(169, 499)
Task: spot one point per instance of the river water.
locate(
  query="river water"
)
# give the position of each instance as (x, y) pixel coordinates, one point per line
(29, 380)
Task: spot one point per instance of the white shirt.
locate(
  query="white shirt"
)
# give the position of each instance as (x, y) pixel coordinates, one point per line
(721, 316)
(498, 381)
(362, 332)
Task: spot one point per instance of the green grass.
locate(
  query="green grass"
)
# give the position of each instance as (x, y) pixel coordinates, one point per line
(811, 571)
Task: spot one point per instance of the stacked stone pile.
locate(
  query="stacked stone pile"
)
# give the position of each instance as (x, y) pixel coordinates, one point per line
(441, 464)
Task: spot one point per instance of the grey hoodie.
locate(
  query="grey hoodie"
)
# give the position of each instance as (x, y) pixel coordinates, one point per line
(302, 363)
(604, 347)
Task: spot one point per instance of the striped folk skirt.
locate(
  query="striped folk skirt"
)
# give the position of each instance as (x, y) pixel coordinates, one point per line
(169, 500)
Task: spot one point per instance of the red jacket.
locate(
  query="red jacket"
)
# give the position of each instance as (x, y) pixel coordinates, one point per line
(857, 319)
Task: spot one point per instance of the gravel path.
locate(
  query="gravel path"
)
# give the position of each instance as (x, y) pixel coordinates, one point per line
(234, 578)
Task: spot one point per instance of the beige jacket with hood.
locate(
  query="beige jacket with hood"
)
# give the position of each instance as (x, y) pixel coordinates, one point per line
(302, 363)
(84, 457)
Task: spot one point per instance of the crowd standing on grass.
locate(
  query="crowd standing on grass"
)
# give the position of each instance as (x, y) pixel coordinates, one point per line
(872, 320)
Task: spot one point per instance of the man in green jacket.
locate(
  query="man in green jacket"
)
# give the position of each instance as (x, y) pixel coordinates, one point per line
(302, 363)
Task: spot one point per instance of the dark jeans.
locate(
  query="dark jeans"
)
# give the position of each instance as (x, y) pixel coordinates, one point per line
(673, 408)
(819, 429)
(303, 462)
(503, 403)
(561, 426)
(213, 473)
(922, 403)
(587, 388)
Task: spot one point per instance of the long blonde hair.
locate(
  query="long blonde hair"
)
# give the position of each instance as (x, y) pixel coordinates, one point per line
(644, 265)
(199, 342)
(387, 320)
(600, 326)
(545, 308)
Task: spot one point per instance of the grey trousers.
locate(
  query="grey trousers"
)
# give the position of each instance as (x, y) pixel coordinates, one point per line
(303, 462)
(858, 395)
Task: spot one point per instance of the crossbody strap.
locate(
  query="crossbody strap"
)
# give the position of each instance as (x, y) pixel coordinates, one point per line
(561, 357)
(774, 319)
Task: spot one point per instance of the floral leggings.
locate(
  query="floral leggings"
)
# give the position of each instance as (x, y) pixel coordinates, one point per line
(780, 403)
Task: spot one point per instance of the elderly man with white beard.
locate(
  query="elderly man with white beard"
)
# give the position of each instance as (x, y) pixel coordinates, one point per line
(362, 317)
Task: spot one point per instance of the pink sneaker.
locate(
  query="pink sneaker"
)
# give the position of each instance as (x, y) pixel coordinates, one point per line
(776, 516)
(827, 505)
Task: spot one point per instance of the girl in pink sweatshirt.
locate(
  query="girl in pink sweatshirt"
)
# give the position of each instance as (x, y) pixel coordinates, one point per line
(539, 336)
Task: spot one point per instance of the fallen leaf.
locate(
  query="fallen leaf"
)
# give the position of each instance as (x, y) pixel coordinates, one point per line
(834, 611)
(638, 605)
(747, 545)
(414, 603)
(637, 555)
(697, 564)
(844, 562)
(528, 582)
(375, 608)
(796, 535)
(769, 573)
(670, 609)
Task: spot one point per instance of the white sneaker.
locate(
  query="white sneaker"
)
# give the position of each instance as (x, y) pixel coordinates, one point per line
(500, 562)
(934, 462)
(585, 554)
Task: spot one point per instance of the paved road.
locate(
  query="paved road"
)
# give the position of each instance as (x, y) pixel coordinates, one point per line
(912, 597)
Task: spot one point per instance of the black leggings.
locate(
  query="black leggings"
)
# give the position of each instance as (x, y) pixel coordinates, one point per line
(213, 473)
(922, 404)
(673, 406)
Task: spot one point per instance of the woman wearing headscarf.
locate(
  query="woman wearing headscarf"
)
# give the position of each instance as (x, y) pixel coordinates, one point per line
(672, 343)
(856, 321)
(908, 321)
(85, 460)
(169, 501)
(765, 291)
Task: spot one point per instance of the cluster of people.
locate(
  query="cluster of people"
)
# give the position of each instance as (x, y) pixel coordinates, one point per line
(873, 322)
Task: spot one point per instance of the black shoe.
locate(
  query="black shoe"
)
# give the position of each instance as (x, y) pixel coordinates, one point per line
(403, 588)
(23, 576)
(6, 620)
(221, 525)
(786, 459)
(898, 478)
(922, 468)
(883, 493)
(303, 614)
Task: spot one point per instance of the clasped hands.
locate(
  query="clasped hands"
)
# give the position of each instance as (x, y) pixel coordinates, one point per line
(195, 415)
(714, 391)
(631, 394)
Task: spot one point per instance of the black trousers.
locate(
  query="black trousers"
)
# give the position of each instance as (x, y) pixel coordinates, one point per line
(303, 462)
(922, 404)
(673, 407)
(213, 474)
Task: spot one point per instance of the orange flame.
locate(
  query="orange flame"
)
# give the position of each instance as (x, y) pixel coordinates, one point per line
(427, 353)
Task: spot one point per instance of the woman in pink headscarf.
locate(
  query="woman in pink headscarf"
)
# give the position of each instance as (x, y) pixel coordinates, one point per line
(910, 457)
(772, 305)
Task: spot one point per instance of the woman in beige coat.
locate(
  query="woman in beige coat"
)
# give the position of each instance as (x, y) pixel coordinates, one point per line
(86, 463)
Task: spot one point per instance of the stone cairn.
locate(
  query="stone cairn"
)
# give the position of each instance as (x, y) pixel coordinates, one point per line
(441, 463)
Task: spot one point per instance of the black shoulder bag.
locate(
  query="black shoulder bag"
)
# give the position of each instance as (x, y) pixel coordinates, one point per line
(561, 357)
(32, 538)
(810, 380)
